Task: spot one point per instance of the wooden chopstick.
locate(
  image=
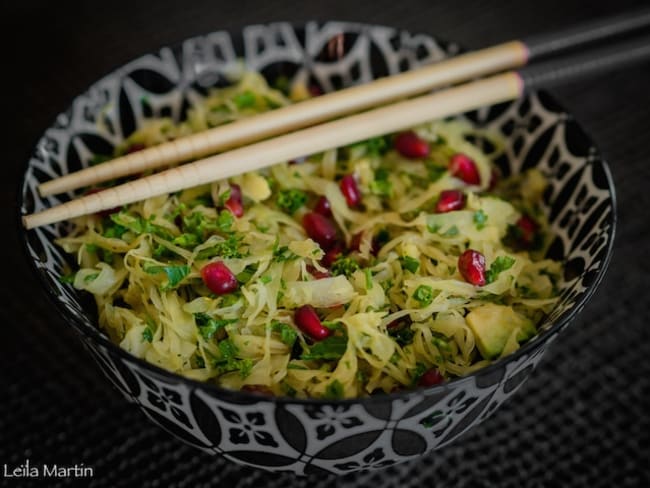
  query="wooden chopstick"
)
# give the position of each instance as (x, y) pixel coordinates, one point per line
(390, 118)
(491, 60)
(299, 115)
(347, 130)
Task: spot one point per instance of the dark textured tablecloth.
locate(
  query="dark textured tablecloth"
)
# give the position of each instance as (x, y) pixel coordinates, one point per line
(581, 420)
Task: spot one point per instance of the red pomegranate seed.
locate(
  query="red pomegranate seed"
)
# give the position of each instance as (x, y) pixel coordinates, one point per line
(235, 207)
(527, 229)
(350, 190)
(450, 200)
(316, 273)
(323, 207)
(234, 202)
(471, 265)
(355, 242)
(259, 389)
(431, 377)
(331, 255)
(495, 176)
(315, 90)
(320, 229)
(411, 146)
(135, 148)
(308, 321)
(219, 278)
(463, 167)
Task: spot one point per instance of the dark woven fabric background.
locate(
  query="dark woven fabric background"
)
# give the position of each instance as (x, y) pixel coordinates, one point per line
(582, 420)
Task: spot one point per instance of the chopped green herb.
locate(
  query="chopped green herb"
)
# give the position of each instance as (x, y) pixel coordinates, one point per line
(98, 159)
(410, 263)
(282, 253)
(67, 278)
(375, 146)
(417, 372)
(245, 99)
(113, 230)
(344, 266)
(147, 334)
(451, 232)
(186, 240)
(227, 249)
(244, 276)
(90, 277)
(424, 295)
(288, 334)
(368, 274)
(296, 366)
(434, 171)
(175, 274)
(245, 367)
(209, 326)
(230, 300)
(228, 349)
(441, 344)
(223, 197)
(225, 220)
(291, 200)
(383, 188)
(331, 348)
(334, 390)
(479, 218)
(501, 263)
(140, 225)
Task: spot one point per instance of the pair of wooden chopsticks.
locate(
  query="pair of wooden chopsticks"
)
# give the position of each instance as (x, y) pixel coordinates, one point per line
(306, 128)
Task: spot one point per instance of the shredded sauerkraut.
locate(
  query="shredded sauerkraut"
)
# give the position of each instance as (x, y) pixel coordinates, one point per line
(409, 291)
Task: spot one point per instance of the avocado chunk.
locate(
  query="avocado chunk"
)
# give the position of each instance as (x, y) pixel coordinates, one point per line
(493, 324)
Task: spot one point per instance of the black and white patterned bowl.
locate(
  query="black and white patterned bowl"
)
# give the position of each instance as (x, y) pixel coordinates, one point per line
(320, 436)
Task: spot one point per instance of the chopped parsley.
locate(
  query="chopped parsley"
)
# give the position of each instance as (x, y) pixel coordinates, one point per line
(424, 295)
(227, 249)
(501, 263)
(90, 277)
(479, 218)
(282, 253)
(334, 390)
(288, 334)
(140, 225)
(375, 146)
(245, 99)
(368, 274)
(209, 326)
(410, 263)
(451, 232)
(147, 334)
(344, 266)
(417, 372)
(331, 348)
(291, 200)
(175, 273)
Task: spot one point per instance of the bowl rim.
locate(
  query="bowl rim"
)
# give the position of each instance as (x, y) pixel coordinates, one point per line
(95, 334)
